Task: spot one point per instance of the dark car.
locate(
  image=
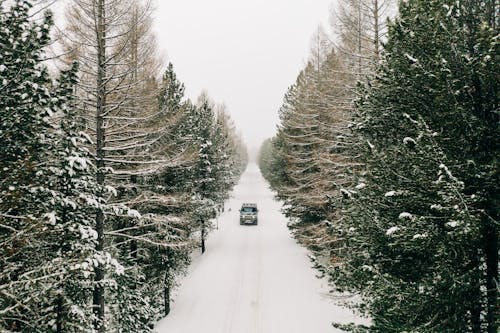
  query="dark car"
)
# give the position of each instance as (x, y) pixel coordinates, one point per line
(248, 214)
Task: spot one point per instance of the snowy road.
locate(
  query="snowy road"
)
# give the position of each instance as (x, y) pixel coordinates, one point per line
(252, 279)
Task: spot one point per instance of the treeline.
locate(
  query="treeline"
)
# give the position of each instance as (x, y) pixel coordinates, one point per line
(386, 159)
(110, 177)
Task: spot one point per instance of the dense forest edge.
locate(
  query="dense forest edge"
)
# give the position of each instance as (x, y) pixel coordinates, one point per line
(110, 176)
(386, 161)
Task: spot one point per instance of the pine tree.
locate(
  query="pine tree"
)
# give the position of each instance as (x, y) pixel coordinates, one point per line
(270, 162)
(168, 211)
(227, 166)
(25, 96)
(48, 233)
(204, 196)
(74, 198)
(421, 237)
(70, 227)
(117, 103)
(26, 105)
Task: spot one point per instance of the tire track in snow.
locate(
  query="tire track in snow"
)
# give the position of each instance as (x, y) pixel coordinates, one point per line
(236, 289)
(257, 322)
(253, 279)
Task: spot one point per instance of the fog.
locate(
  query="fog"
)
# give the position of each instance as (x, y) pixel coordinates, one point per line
(244, 53)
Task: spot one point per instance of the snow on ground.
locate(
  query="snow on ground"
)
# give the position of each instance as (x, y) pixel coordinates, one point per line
(253, 279)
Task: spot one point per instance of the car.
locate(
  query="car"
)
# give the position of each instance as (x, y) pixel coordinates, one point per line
(248, 214)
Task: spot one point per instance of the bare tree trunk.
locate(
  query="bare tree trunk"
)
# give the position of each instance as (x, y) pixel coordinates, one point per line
(360, 44)
(490, 229)
(476, 301)
(98, 295)
(203, 235)
(491, 252)
(376, 28)
(166, 292)
(134, 41)
(59, 319)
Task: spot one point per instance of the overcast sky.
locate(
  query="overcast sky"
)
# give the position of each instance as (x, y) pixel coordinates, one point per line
(245, 53)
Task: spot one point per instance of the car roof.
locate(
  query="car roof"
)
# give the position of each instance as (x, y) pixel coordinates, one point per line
(249, 205)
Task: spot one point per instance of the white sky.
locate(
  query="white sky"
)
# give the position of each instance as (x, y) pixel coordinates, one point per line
(245, 53)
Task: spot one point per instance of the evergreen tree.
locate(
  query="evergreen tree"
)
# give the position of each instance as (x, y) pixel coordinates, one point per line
(168, 254)
(70, 241)
(310, 163)
(204, 200)
(25, 101)
(113, 43)
(227, 167)
(171, 93)
(270, 162)
(26, 105)
(48, 235)
(422, 232)
(69, 205)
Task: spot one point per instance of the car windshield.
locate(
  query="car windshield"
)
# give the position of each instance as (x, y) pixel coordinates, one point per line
(248, 209)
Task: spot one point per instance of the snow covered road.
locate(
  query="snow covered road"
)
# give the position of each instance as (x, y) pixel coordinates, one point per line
(252, 279)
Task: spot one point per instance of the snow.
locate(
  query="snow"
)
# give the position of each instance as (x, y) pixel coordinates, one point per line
(391, 230)
(76, 311)
(360, 186)
(89, 200)
(88, 232)
(87, 137)
(82, 162)
(69, 203)
(420, 236)
(436, 207)
(390, 194)
(253, 278)
(404, 215)
(409, 140)
(134, 213)
(110, 189)
(51, 217)
(407, 116)
(409, 57)
(346, 192)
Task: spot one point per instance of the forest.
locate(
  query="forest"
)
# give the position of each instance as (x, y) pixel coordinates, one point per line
(110, 176)
(386, 161)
